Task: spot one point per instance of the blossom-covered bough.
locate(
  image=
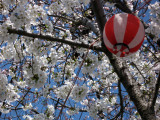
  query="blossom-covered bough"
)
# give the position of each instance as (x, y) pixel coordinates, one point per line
(54, 64)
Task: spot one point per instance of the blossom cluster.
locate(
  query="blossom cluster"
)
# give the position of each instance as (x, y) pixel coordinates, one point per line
(41, 116)
(34, 74)
(7, 91)
(154, 25)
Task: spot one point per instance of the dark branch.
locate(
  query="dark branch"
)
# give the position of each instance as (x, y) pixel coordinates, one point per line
(122, 6)
(99, 13)
(49, 38)
(88, 23)
(132, 63)
(121, 99)
(155, 94)
(81, 21)
(121, 103)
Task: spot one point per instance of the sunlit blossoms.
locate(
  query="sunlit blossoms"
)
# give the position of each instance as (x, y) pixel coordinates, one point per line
(8, 2)
(19, 17)
(70, 4)
(27, 106)
(54, 7)
(4, 83)
(63, 91)
(7, 91)
(79, 92)
(50, 111)
(154, 27)
(34, 74)
(72, 111)
(86, 2)
(4, 35)
(93, 110)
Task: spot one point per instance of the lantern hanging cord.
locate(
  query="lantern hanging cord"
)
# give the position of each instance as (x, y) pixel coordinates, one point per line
(121, 44)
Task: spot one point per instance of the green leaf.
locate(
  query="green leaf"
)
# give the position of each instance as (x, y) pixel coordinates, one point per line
(49, 59)
(20, 79)
(35, 77)
(39, 14)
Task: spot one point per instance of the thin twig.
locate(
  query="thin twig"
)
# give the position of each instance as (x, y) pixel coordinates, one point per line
(120, 113)
(75, 79)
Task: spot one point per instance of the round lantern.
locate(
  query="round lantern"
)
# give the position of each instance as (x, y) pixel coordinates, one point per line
(123, 34)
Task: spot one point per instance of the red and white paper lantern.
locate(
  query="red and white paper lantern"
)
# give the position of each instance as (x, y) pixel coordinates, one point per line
(123, 34)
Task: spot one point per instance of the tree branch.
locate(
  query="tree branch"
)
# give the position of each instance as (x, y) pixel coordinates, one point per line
(88, 23)
(155, 94)
(81, 21)
(134, 65)
(122, 6)
(121, 103)
(122, 70)
(99, 13)
(121, 99)
(50, 38)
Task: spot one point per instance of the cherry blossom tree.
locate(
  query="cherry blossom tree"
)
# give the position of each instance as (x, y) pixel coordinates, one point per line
(54, 64)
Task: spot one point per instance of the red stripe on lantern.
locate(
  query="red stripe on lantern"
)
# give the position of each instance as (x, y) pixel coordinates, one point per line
(136, 48)
(131, 29)
(109, 30)
(138, 38)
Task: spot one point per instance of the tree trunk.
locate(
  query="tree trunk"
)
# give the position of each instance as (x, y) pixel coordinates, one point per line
(146, 112)
(148, 115)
